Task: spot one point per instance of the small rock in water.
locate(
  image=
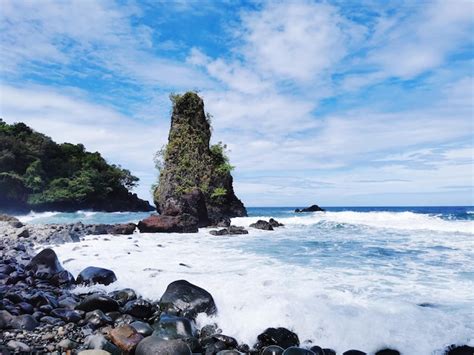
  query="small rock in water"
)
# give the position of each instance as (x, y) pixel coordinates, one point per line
(96, 275)
(459, 350)
(317, 350)
(277, 336)
(328, 351)
(231, 230)
(354, 352)
(274, 223)
(123, 296)
(387, 352)
(261, 224)
(138, 308)
(293, 350)
(313, 208)
(171, 327)
(97, 301)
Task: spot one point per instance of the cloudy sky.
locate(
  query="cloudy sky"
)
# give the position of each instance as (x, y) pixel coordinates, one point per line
(340, 103)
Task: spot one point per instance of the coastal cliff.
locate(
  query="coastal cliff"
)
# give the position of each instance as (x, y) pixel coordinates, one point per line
(38, 174)
(195, 177)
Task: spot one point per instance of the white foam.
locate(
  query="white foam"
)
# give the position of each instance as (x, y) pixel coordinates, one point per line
(393, 220)
(334, 306)
(36, 215)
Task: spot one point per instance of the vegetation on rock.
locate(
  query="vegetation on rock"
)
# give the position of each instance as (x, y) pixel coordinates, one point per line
(37, 173)
(188, 163)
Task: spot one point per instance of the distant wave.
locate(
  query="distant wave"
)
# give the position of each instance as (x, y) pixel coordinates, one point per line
(392, 220)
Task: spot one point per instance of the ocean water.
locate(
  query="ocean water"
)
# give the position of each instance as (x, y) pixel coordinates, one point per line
(361, 278)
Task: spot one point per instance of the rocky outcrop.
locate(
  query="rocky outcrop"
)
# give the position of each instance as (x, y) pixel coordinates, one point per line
(183, 223)
(312, 208)
(231, 230)
(195, 177)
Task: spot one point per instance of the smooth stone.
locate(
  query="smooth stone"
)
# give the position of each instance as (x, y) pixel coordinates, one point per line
(18, 346)
(125, 337)
(293, 350)
(98, 342)
(388, 352)
(51, 320)
(155, 346)
(317, 350)
(67, 302)
(229, 352)
(97, 301)
(354, 352)
(68, 344)
(25, 322)
(97, 318)
(25, 308)
(273, 350)
(45, 264)
(63, 278)
(138, 308)
(277, 336)
(187, 300)
(124, 319)
(172, 327)
(123, 296)
(142, 328)
(93, 352)
(261, 224)
(5, 319)
(96, 275)
(67, 315)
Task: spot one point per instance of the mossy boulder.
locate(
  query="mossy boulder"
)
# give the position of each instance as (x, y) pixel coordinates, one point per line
(195, 178)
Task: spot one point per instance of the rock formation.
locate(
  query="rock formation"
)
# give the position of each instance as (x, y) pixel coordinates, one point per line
(195, 177)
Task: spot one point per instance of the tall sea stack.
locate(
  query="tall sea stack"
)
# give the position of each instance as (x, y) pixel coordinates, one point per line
(195, 178)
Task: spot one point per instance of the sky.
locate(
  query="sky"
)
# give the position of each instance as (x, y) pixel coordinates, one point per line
(338, 103)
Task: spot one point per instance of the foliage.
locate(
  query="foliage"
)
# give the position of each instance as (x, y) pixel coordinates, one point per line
(54, 173)
(218, 192)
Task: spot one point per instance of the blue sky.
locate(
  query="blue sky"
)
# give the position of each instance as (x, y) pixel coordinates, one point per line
(333, 102)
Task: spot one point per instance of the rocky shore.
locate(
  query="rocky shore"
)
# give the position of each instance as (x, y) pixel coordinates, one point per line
(42, 311)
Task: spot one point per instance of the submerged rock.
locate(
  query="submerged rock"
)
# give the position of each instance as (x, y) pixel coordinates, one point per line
(313, 208)
(353, 352)
(187, 300)
(231, 230)
(96, 275)
(387, 352)
(184, 223)
(172, 327)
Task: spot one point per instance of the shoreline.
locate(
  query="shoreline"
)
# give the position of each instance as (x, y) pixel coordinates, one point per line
(25, 240)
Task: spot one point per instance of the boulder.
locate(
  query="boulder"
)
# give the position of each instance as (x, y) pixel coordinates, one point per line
(261, 224)
(273, 350)
(353, 352)
(123, 296)
(231, 230)
(294, 350)
(459, 350)
(143, 328)
(98, 301)
(138, 308)
(155, 346)
(67, 315)
(187, 300)
(317, 350)
(126, 338)
(313, 208)
(24, 322)
(388, 352)
(277, 336)
(97, 318)
(96, 275)
(45, 264)
(183, 223)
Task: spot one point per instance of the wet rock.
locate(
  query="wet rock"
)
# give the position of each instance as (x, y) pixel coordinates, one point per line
(67, 315)
(96, 275)
(93, 352)
(52, 320)
(354, 352)
(317, 350)
(293, 350)
(273, 350)
(172, 327)
(261, 224)
(125, 337)
(138, 308)
(63, 278)
(142, 328)
(97, 318)
(232, 230)
(67, 302)
(126, 228)
(98, 342)
(184, 223)
(45, 264)
(277, 336)
(124, 319)
(68, 344)
(25, 322)
(274, 223)
(155, 346)
(5, 319)
(97, 301)
(229, 352)
(388, 352)
(313, 208)
(459, 350)
(328, 351)
(123, 296)
(187, 300)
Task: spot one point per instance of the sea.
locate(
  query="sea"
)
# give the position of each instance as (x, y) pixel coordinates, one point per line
(349, 278)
